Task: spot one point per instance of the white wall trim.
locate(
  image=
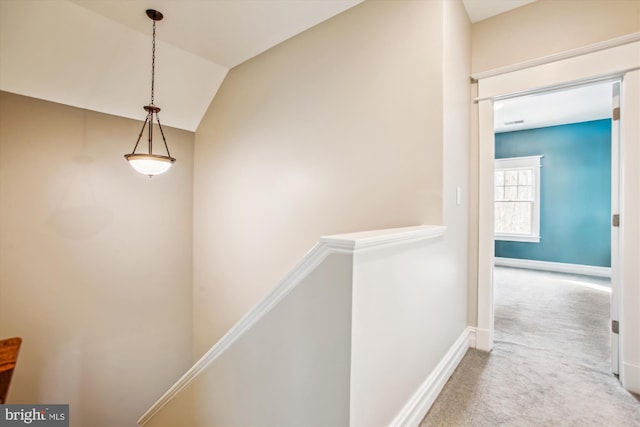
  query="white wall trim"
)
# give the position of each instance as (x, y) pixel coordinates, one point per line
(484, 339)
(472, 336)
(630, 377)
(628, 272)
(418, 406)
(377, 239)
(345, 243)
(603, 65)
(618, 41)
(559, 267)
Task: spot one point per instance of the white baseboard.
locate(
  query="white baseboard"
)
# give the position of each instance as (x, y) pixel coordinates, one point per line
(559, 267)
(484, 339)
(630, 377)
(472, 336)
(418, 406)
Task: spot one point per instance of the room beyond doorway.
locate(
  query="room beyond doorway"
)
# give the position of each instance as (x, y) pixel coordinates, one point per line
(569, 203)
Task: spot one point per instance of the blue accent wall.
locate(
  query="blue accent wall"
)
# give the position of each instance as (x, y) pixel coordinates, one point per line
(575, 192)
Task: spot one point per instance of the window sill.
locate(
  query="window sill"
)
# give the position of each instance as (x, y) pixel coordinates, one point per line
(518, 238)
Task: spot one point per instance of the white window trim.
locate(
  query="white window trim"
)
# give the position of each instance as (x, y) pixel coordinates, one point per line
(518, 163)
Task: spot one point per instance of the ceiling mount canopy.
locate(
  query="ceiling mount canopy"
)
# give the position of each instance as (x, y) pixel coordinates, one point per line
(155, 15)
(151, 163)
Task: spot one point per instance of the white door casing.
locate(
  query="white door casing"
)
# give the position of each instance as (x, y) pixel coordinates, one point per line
(629, 259)
(615, 237)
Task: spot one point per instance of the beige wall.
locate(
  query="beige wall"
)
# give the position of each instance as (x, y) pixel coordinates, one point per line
(546, 27)
(456, 145)
(474, 206)
(338, 129)
(95, 261)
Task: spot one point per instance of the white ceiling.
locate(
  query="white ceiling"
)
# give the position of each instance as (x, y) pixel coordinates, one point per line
(581, 104)
(96, 54)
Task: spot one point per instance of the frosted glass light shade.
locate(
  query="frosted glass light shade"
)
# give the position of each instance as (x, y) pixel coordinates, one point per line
(150, 164)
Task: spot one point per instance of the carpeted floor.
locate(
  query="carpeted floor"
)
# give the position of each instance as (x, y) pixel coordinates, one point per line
(550, 365)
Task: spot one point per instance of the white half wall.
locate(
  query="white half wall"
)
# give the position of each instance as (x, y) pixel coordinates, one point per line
(401, 297)
(365, 331)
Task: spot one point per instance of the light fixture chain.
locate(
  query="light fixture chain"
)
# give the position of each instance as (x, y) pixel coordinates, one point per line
(149, 163)
(153, 61)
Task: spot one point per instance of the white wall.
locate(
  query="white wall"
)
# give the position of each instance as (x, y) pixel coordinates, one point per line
(291, 368)
(298, 360)
(95, 261)
(408, 309)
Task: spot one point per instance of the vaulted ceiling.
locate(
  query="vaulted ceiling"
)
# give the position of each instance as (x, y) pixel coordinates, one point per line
(96, 54)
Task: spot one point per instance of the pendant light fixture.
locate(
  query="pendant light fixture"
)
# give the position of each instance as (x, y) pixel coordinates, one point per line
(150, 163)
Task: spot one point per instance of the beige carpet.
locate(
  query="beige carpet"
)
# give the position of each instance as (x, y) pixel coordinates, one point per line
(550, 364)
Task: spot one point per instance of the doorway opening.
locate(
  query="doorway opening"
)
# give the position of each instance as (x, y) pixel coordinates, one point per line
(556, 184)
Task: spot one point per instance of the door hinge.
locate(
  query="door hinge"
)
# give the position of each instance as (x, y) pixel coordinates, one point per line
(615, 326)
(616, 113)
(615, 220)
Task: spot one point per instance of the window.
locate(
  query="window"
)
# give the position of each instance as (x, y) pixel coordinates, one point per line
(517, 199)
